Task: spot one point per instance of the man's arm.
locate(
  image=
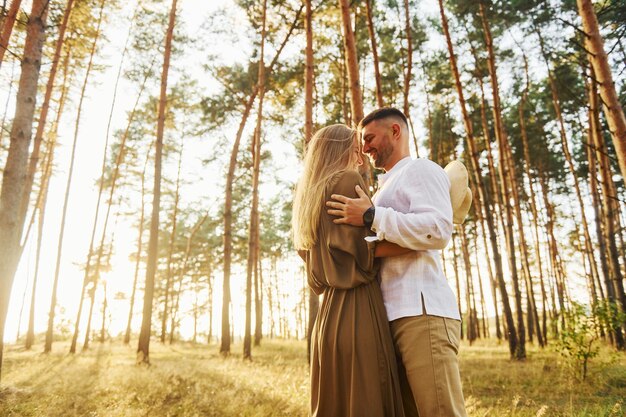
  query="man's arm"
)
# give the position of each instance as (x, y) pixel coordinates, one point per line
(387, 249)
(427, 225)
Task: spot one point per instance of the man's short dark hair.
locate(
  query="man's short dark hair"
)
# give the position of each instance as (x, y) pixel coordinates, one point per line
(383, 113)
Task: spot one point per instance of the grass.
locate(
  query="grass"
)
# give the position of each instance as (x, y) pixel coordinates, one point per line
(194, 380)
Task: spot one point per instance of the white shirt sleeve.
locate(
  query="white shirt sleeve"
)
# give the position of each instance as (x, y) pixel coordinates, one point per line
(428, 223)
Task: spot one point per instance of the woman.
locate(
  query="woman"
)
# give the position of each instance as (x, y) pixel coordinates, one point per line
(353, 365)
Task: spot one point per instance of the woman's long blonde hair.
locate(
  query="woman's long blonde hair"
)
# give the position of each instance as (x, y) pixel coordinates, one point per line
(332, 149)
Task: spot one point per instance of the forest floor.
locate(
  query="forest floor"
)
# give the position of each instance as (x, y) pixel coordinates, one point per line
(194, 380)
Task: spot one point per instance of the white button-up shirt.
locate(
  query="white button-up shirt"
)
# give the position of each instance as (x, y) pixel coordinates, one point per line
(413, 209)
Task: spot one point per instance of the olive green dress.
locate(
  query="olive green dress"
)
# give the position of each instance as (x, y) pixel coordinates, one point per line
(353, 364)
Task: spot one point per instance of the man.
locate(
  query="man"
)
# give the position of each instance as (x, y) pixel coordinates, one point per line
(412, 208)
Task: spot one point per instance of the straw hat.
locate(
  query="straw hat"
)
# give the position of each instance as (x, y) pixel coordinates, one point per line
(460, 194)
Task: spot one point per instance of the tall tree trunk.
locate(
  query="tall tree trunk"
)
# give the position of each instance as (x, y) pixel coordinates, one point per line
(610, 202)
(533, 205)
(228, 221)
(493, 205)
(588, 245)
(143, 346)
(228, 199)
(210, 304)
(118, 162)
(105, 305)
(308, 133)
(615, 288)
(15, 170)
(7, 27)
(43, 115)
(523, 249)
(469, 290)
(478, 210)
(170, 251)
(599, 60)
(42, 199)
(51, 315)
(183, 271)
(349, 44)
(482, 196)
(554, 251)
(457, 279)
(409, 58)
(520, 352)
(254, 210)
(6, 104)
(371, 30)
(48, 344)
(483, 306)
(309, 74)
(139, 248)
(258, 296)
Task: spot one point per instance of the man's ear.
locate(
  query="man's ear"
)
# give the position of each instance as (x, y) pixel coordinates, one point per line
(396, 130)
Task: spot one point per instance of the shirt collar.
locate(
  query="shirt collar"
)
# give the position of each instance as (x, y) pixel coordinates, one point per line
(382, 178)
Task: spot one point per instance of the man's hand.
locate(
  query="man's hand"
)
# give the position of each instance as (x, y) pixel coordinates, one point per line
(349, 210)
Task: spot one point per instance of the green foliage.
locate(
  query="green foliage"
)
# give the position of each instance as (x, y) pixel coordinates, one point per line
(577, 341)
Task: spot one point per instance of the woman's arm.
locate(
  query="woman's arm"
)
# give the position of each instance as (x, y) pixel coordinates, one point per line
(385, 249)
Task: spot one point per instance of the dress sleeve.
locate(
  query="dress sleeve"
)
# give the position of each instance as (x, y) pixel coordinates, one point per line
(350, 260)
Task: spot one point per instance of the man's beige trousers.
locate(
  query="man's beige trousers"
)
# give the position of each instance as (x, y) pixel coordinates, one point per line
(426, 348)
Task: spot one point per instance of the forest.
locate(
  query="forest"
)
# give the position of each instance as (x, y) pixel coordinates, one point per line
(149, 152)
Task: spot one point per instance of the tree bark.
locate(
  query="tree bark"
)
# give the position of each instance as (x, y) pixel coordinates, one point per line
(228, 200)
(14, 175)
(482, 196)
(520, 352)
(183, 271)
(43, 115)
(457, 280)
(371, 30)
(253, 233)
(48, 343)
(42, 200)
(143, 346)
(349, 44)
(409, 58)
(7, 27)
(588, 245)
(49, 333)
(170, 251)
(258, 295)
(469, 288)
(308, 133)
(139, 249)
(599, 60)
(615, 288)
(533, 204)
(86, 276)
(309, 74)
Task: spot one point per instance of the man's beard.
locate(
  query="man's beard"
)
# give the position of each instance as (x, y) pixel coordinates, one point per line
(383, 152)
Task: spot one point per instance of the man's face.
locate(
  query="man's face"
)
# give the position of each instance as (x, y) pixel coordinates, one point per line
(377, 144)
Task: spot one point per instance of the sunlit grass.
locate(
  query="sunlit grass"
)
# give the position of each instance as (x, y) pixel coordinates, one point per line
(541, 385)
(194, 380)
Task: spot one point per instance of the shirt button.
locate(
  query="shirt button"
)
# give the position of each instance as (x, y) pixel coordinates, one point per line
(429, 236)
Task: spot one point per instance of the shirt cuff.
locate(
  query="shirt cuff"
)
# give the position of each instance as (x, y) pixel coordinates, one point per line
(378, 214)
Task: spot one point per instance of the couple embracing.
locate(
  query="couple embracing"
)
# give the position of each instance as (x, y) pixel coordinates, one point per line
(386, 336)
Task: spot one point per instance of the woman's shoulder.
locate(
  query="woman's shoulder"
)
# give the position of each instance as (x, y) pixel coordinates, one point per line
(343, 182)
